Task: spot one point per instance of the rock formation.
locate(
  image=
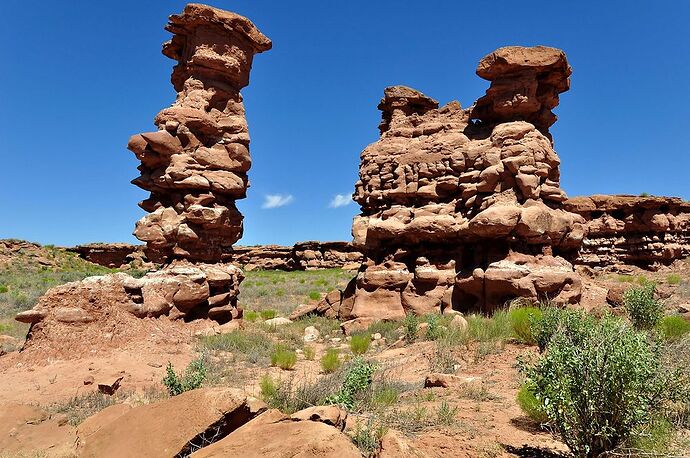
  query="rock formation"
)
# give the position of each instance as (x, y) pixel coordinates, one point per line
(302, 256)
(195, 167)
(114, 255)
(642, 231)
(462, 209)
(196, 164)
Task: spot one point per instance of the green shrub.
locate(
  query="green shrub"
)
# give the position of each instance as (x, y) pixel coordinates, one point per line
(411, 327)
(597, 382)
(530, 405)
(250, 315)
(359, 344)
(446, 414)
(309, 353)
(644, 311)
(283, 358)
(553, 320)
(330, 362)
(314, 295)
(385, 396)
(521, 320)
(268, 387)
(357, 379)
(387, 329)
(433, 330)
(268, 314)
(673, 327)
(192, 378)
(3, 289)
(671, 279)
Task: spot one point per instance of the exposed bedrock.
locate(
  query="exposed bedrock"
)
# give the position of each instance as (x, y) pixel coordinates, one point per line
(195, 166)
(463, 209)
(642, 231)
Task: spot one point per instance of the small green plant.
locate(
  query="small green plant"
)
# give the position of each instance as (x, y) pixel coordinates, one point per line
(642, 308)
(387, 329)
(330, 361)
(644, 194)
(671, 279)
(254, 346)
(268, 387)
(530, 405)
(250, 315)
(283, 358)
(309, 353)
(410, 327)
(359, 344)
(521, 320)
(446, 414)
(673, 327)
(385, 396)
(367, 438)
(357, 379)
(433, 330)
(314, 295)
(3, 289)
(192, 378)
(268, 314)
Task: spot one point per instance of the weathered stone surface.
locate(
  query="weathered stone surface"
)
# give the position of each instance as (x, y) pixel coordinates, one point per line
(112, 255)
(98, 310)
(462, 209)
(196, 164)
(309, 255)
(173, 427)
(633, 230)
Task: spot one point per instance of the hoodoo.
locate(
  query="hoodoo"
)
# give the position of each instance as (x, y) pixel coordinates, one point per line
(462, 209)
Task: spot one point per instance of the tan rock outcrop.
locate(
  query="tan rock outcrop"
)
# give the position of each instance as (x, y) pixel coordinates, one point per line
(112, 255)
(196, 164)
(462, 209)
(309, 255)
(642, 231)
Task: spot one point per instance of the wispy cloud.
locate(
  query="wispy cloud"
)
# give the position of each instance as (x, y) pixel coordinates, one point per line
(340, 200)
(277, 200)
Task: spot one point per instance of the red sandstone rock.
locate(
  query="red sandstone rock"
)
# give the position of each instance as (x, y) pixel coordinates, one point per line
(642, 231)
(465, 215)
(196, 164)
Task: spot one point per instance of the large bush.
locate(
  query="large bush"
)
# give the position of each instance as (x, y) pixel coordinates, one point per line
(598, 382)
(643, 309)
(571, 323)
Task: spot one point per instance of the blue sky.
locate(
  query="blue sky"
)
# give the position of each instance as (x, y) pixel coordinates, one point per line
(78, 78)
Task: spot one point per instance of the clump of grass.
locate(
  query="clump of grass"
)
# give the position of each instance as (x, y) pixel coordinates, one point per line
(446, 414)
(309, 353)
(251, 345)
(314, 295)
(367, 438)
(385, 396)
(521, 320)
(443, 360)
(250, 315)
(3, 289)
(330, 361)
(673, 279)
(387, 329)
(673, 327)
(79, 408)
(434, 331)
(191, 379)
(283, 358)
(483, 329)
(530, 405)
(411, 327)
(268, 314)
(359, 344)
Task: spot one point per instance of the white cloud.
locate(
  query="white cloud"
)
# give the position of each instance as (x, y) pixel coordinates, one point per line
(277, 200)
(340, 200)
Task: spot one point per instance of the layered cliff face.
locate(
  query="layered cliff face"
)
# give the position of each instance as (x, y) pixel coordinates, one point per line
(462, 209)
(196, 164)
(632, 230)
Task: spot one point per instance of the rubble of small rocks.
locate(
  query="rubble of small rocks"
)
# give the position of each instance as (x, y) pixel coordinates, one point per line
(632, 230)
(462, 209)
(196, 164)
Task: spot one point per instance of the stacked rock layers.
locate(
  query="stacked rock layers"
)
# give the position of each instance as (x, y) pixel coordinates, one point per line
(196, 164)
(641, 231)
(462, 209)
